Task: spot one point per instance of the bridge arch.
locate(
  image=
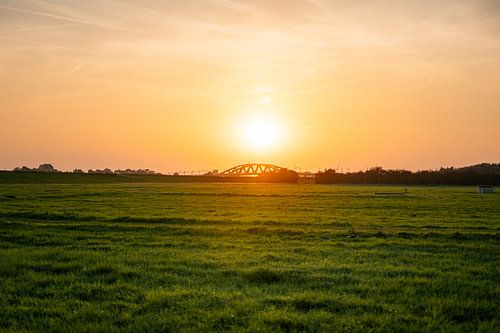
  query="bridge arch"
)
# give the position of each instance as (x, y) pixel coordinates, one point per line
(251, 169)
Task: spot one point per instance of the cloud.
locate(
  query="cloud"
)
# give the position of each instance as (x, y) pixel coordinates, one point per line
(235, 6)
(66, 13)
(38, 27)
(54, 16)
(46, 45)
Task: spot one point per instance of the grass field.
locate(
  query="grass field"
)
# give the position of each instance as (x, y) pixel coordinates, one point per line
(248, 257)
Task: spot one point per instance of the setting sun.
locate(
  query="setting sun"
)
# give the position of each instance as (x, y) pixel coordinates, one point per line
(261, 133)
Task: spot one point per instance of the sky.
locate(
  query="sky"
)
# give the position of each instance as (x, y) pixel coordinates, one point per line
(189, 85)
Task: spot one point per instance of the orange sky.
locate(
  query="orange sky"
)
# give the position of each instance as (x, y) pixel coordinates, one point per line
(171, 85)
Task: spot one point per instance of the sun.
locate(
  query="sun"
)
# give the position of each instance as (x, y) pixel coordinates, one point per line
(261, 133)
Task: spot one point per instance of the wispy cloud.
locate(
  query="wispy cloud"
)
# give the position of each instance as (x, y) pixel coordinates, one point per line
(54, 16)
(65, 13)
(38, 27)
(237, 6)
(46, 45)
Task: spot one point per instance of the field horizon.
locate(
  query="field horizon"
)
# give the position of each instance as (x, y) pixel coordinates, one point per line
(477, 174)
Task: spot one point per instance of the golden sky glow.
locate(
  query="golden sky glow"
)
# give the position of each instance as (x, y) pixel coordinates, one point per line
(182, 85)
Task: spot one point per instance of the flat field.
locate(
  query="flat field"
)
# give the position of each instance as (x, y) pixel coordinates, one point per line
(248, 257)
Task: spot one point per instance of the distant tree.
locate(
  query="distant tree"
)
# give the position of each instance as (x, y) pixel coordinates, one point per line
(98, 171)
(136, 172)
(23, 168)
(46, 168)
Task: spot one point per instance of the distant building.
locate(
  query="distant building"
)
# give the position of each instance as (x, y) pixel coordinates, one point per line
(483, 189)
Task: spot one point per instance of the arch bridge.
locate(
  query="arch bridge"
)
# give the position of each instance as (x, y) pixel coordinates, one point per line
(251, 169)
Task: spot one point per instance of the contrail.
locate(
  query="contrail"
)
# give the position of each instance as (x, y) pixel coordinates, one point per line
(45, 44)
(77, 68)
(320, 5)
(307, 128)
(70, 19)
(326, 86)
(59, 17)
(39, 27)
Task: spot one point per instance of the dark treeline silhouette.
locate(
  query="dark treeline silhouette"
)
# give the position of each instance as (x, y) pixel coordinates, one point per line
(281, 176)
(49, 168)
(473, 175)
(480, 174)
(46, 167)
(125, 172)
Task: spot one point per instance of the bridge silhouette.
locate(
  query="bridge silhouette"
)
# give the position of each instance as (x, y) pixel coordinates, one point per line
(245, 170)
(251, 169)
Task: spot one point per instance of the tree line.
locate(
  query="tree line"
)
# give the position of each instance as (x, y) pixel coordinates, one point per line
(47, 167)
(485, 174)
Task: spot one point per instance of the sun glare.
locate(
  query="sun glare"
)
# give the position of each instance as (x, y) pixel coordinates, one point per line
(261, 133)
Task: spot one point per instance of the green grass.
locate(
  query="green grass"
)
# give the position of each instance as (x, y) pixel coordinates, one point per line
(248, 257)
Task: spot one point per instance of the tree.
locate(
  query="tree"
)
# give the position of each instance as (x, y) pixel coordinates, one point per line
(46, 168)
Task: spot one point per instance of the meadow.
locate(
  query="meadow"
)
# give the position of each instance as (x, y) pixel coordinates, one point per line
(167, 257)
